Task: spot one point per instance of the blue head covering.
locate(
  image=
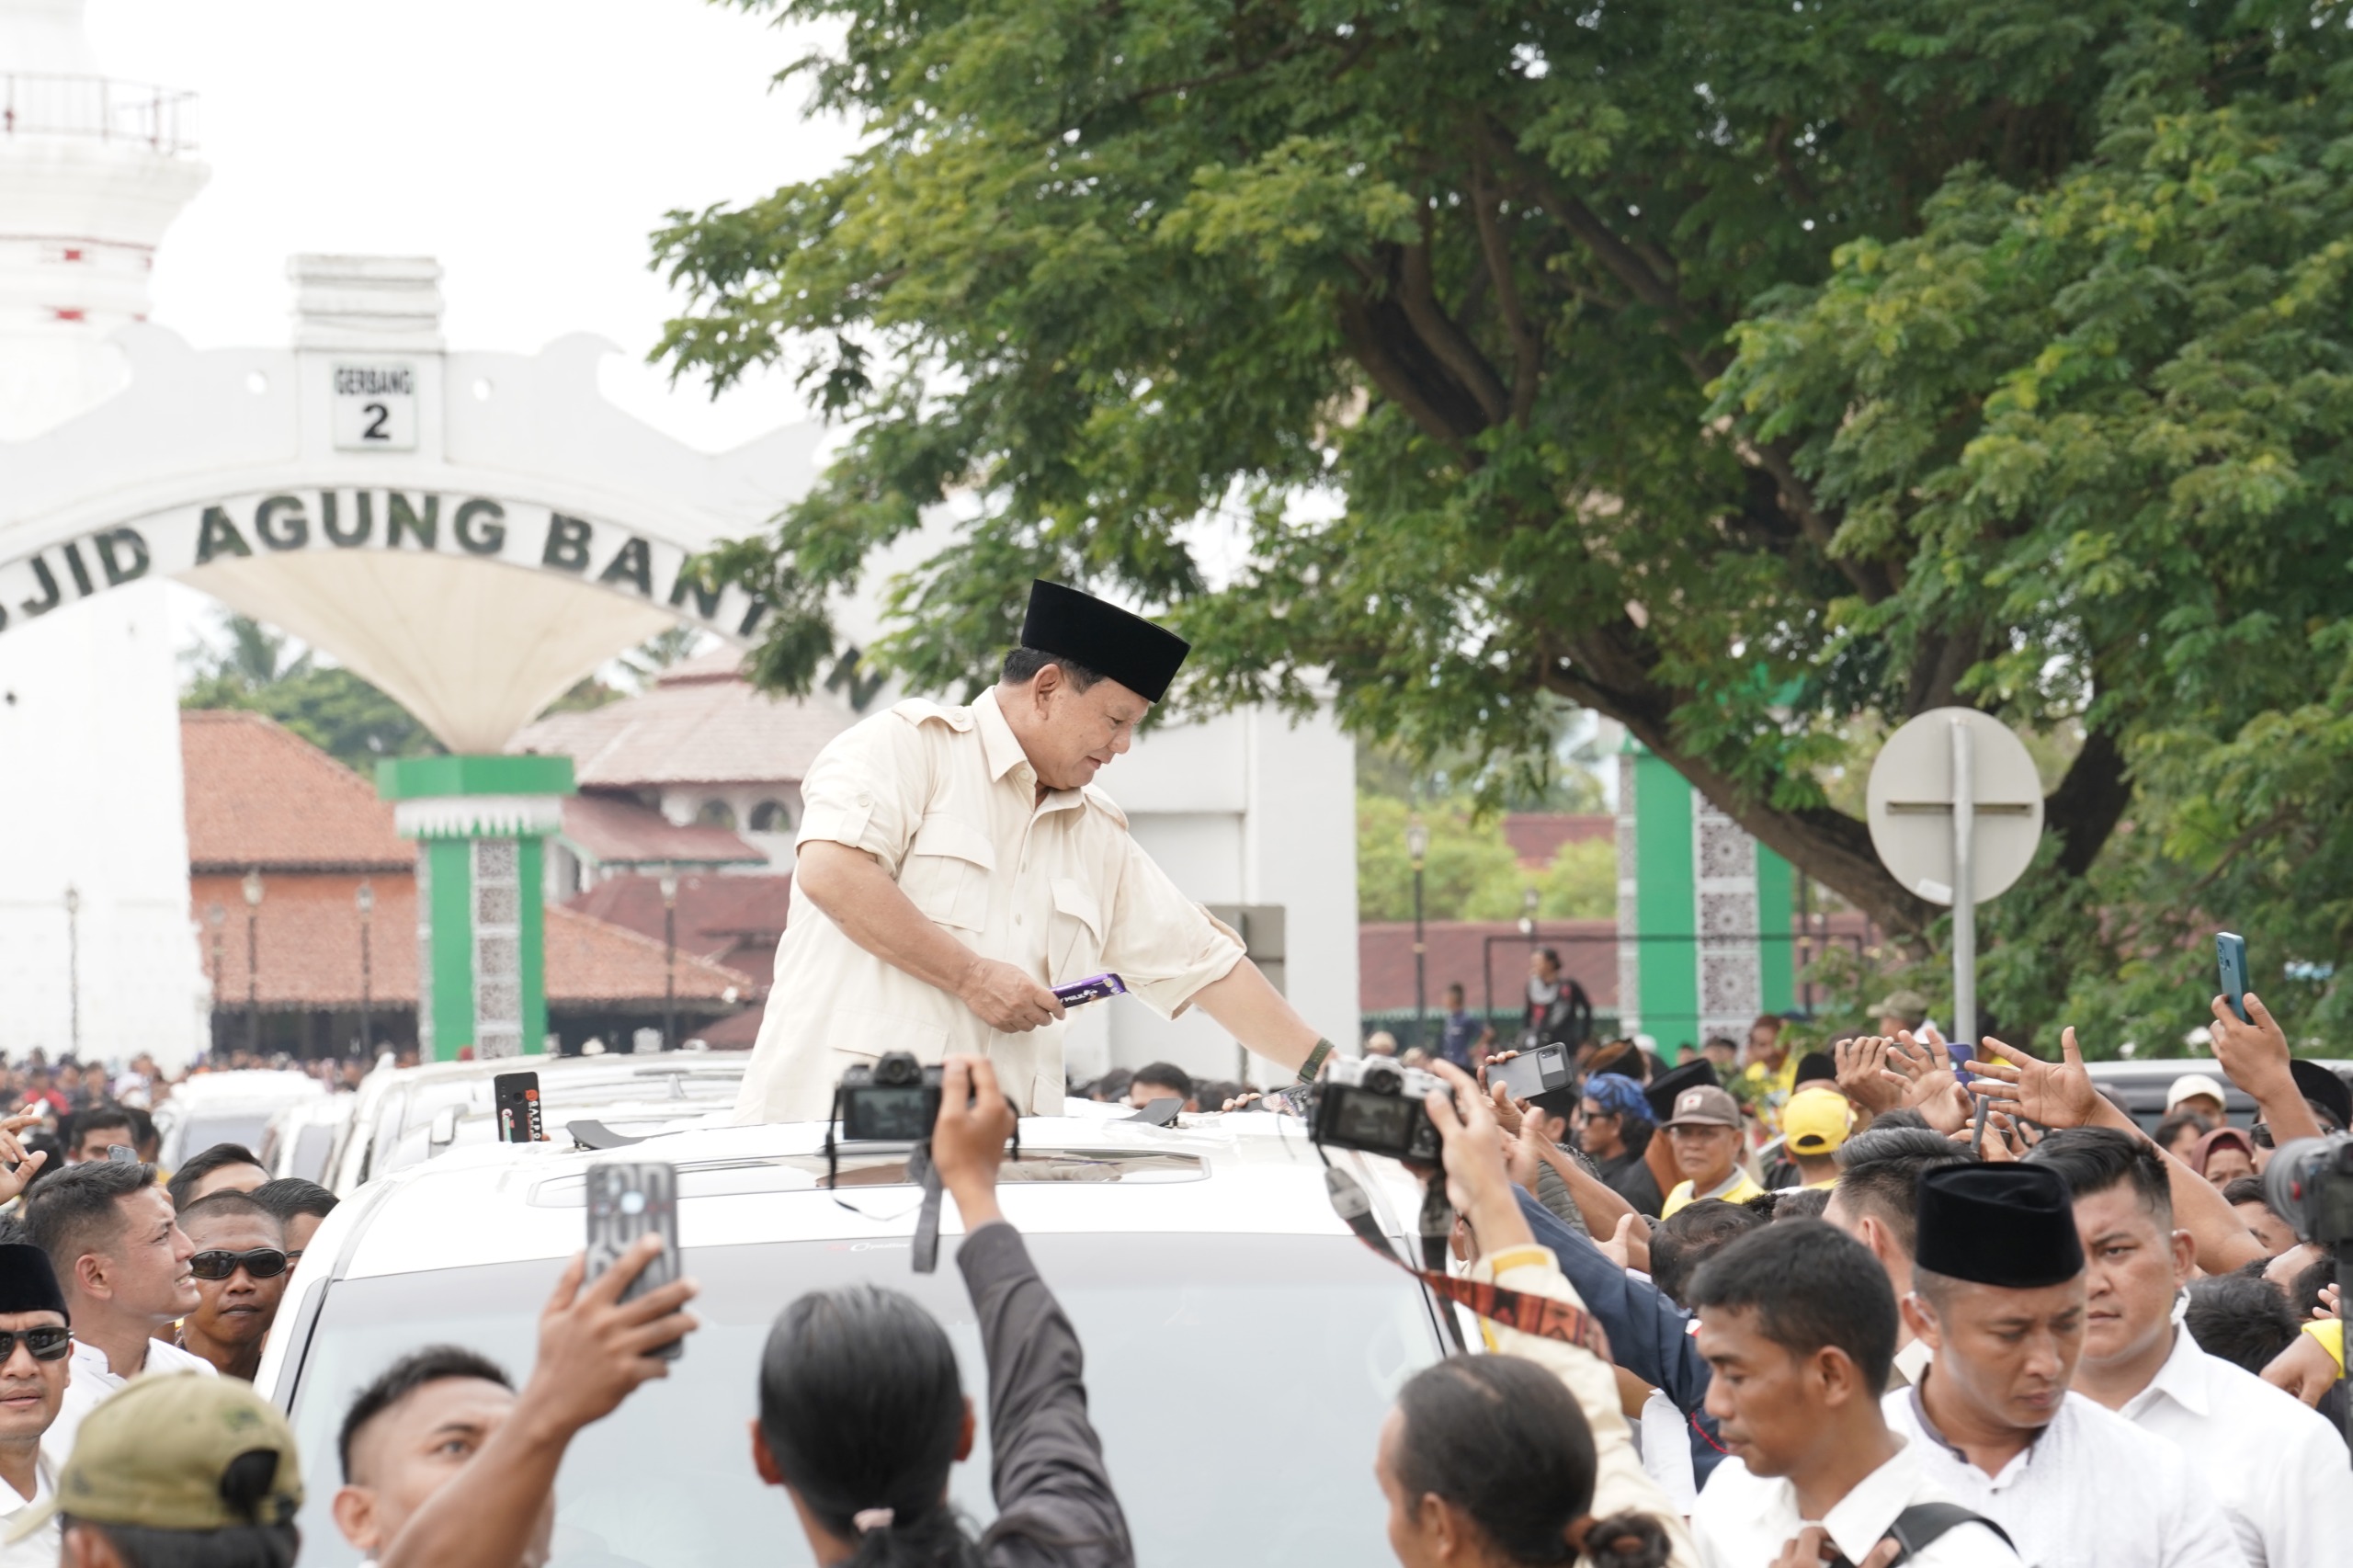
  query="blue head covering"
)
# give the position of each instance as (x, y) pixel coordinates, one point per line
(1618, 1095)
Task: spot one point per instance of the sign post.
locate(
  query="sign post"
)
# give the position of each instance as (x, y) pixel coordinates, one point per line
(1956, 813)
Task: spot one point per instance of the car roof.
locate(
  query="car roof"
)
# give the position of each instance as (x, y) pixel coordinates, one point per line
(244, 1086)
(1249, 1173)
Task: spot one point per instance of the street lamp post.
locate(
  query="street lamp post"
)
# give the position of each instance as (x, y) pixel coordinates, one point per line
(216, 918)
(74, 963)
(253, 962)
(1417, 844)
(670, 961)
(366, 898)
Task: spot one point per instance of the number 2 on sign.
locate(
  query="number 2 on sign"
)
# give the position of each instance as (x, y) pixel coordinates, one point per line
(377, 413)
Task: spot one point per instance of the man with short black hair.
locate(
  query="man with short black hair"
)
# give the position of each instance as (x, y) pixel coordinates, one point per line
(1998, 1296)
(299, 1205)
(1876, 1202)
(122, 1261)
(415, 1495)
(97, 1129)
(1798, 1326)
(229, 1166)
(1161, 1081)
(240, 1270)
(1558, 1011)
(2240, 1319)
(2278, 1469)
(2247, 1198)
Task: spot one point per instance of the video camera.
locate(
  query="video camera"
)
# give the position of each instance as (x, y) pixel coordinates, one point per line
(894, 1101)
(2310, 1183)
(1376, 1105)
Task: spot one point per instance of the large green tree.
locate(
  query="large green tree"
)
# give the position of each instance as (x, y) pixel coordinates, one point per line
(1740, 369)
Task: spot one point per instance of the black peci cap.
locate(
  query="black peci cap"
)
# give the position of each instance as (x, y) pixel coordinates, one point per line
(27, 1283)
(1105, 639)
(2012, 1226)
(2323, 1088)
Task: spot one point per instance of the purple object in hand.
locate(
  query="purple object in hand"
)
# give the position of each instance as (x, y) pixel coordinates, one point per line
(1095, 988)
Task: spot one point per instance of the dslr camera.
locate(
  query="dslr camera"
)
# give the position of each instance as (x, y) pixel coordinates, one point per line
(894, 1101)
(1374, 1105)
(2310, 1180)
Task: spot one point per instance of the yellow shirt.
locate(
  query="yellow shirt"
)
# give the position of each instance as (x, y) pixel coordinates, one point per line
(1778, 1083)
(947, 802)
(2331, 1337)
(1740, 1190)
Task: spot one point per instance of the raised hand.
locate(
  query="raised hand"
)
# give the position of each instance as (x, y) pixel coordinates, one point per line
(1864, 1075)
(2253, 1054)
(2055, 1093)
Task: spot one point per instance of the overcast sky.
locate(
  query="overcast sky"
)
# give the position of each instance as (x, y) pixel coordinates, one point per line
(529, 144)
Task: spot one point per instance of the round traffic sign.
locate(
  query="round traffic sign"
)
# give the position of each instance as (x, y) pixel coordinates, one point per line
(1913, 788)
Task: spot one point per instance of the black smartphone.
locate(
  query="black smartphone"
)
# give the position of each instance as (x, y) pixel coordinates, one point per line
(517, 1097)
(629, 1199)
(2230, 957)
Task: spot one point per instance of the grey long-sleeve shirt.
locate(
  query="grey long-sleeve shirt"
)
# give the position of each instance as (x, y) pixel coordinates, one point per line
(1055, 1506)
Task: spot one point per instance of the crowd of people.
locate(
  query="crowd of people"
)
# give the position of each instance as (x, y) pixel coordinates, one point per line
(1760, 1309)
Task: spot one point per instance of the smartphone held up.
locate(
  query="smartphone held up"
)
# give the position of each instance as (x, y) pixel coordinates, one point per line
(2229, 958)
(627, 1199)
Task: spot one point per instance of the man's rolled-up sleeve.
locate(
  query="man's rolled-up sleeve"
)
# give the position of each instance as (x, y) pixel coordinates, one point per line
(1165, 945)
(866, 790)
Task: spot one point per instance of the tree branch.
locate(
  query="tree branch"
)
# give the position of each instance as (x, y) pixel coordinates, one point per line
(1527, 344)
(1417, 292)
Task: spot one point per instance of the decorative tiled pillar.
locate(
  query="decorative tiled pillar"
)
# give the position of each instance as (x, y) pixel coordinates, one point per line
(481, 823)
(1703, 912)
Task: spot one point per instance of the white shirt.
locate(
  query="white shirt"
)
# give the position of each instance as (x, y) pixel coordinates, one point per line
(39, 1550)
(2279, 1468)
(1744, 1521)
(947, 802)
(94, 1379)
(1664, 1438)
(2094, 1490)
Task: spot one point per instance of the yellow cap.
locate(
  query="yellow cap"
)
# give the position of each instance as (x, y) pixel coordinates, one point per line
(1815, 1121)
(159, 1454)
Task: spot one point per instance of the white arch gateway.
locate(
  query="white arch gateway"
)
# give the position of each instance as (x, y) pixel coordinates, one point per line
(473, 533)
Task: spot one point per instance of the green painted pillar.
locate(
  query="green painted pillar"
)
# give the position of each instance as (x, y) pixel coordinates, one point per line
(1704, 912)
(481, 823)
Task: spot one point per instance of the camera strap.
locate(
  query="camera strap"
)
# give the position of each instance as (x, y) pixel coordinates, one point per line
(925, 1175)
(1542, 1316)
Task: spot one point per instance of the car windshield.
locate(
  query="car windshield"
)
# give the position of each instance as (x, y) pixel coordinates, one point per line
(207, 1128)
(1237, 1382)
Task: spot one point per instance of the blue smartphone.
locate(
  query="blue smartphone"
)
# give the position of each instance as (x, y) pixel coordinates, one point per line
(2230, 957)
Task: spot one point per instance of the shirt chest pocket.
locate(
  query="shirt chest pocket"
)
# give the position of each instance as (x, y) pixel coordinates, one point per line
(1075, 948)
(946, 872)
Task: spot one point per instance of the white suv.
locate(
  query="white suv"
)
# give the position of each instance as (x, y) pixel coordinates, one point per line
(1242, 1344)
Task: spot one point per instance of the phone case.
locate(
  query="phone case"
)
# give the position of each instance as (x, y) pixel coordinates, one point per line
(629, 1199)
(2229, 958)
(516, 1096)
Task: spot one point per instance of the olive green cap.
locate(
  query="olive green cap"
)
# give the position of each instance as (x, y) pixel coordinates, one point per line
(158, 1456)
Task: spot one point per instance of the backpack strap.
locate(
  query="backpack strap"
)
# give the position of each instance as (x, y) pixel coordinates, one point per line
(1922, 1523)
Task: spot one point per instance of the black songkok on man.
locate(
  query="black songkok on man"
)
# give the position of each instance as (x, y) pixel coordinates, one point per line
(1104, 638)
(27, 1283)
(2012, 1226)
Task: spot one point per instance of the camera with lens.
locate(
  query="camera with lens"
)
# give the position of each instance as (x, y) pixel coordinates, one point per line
(894, 1101)
(2310, 1183)
(1376, 1105)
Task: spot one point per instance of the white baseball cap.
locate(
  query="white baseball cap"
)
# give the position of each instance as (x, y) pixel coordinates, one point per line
(2191, 1084)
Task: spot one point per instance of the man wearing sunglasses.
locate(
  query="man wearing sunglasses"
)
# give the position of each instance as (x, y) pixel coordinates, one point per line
(240, 1269)
(35, 1351)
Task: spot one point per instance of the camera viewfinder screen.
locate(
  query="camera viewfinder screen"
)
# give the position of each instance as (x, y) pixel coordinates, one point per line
(889, 1114)
(1384, 1120)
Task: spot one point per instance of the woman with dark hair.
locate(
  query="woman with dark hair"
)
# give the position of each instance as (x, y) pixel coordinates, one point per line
(862, 1413)
(1522, 1457)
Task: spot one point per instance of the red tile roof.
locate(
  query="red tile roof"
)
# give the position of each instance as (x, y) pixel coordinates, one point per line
(701, 724)
(1536, 836)
(260, 796)
(591, 961)
(730, 920)
(613, 830)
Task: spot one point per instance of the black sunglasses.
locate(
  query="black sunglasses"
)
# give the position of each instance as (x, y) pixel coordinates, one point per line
(46, 1343)
(262, 1263)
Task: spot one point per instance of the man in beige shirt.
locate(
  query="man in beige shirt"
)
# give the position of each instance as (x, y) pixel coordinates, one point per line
(955, 864)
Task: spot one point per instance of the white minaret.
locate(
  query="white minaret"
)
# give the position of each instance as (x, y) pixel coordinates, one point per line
(91, 172)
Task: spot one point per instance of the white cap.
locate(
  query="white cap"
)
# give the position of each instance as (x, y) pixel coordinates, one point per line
(2191, 1084)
